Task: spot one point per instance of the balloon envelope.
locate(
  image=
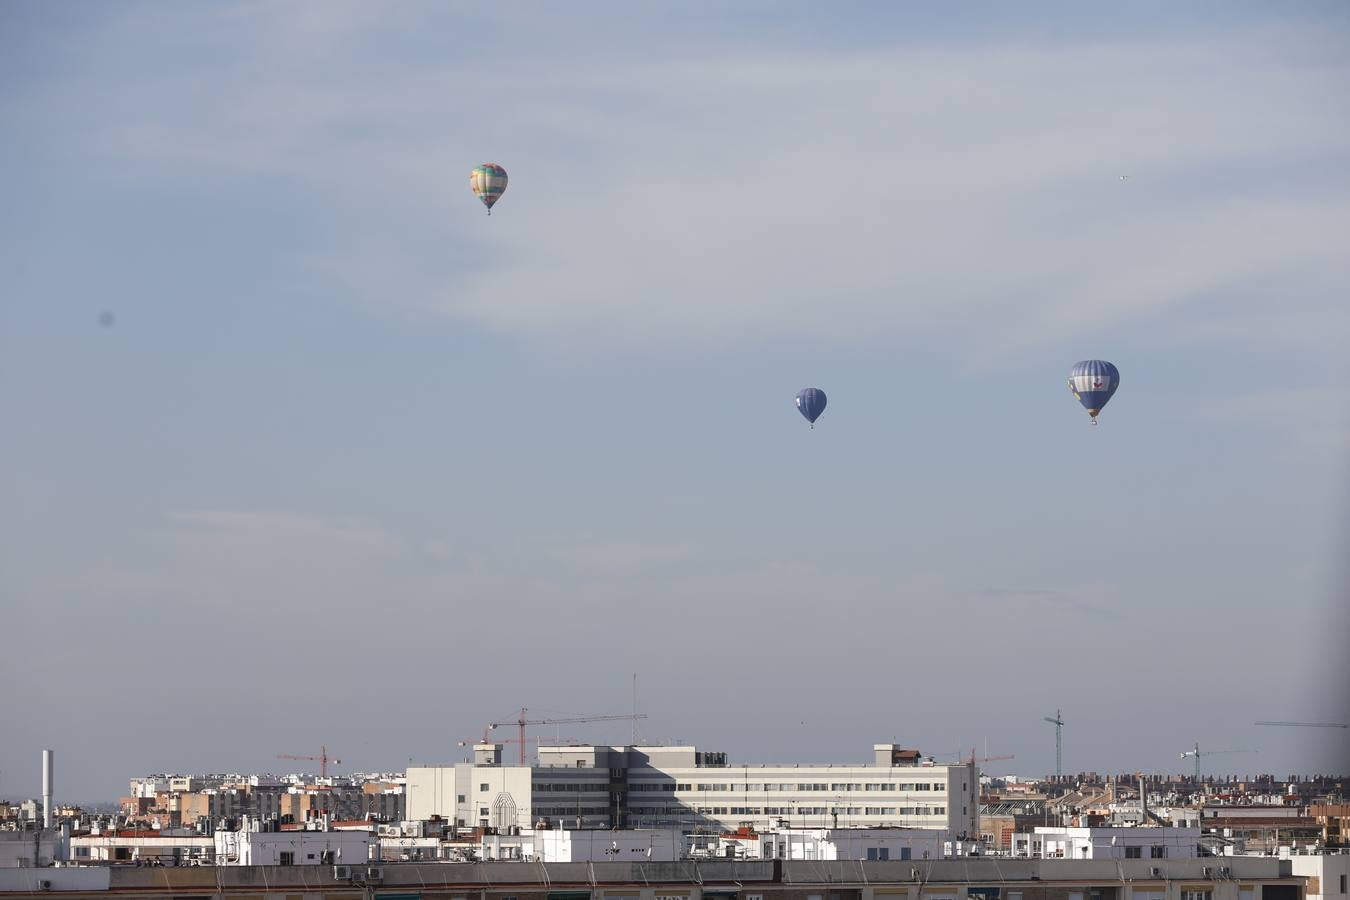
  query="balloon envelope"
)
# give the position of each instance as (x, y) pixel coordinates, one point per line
(488, 182)
(1093, 381)
(811, 403)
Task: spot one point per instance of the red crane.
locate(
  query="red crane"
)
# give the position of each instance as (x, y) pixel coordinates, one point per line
(570, 720)
(323, 759)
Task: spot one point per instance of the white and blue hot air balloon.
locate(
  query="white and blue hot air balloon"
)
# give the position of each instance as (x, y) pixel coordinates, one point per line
(811, 403)
(1093, 382)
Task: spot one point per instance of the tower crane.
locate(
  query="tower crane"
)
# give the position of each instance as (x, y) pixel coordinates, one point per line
(323, 759)
(972, 758)
(1197, 753)
(521, 722)
(1058, 722)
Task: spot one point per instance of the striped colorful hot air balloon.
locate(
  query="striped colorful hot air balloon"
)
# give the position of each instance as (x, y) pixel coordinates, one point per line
(1093, 381)
(489, 183)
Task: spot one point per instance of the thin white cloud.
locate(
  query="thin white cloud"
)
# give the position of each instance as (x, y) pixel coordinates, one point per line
(971, 192)
(1313, 421)
(273, 529)
(619, 554)
(1043, 602)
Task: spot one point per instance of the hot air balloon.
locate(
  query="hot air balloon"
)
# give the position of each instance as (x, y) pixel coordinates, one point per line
(488, 182)
(811, 403)
(1093, 381)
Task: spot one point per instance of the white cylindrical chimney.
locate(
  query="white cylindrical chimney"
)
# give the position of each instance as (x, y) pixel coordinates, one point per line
(46, 788)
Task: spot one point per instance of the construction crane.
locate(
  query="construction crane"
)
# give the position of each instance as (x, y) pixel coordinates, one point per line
(323, 759)
(1196, 752)
(970, 759)
(1058, 722)
(1307, 724)
(570, 720)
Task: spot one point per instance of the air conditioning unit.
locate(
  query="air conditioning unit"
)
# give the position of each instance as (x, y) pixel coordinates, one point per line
(342, 873)
(1155, 871)
(374, 873)
(44, 885)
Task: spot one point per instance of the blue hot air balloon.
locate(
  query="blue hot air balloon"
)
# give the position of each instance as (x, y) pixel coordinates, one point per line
(811, 403)
(1093, 381)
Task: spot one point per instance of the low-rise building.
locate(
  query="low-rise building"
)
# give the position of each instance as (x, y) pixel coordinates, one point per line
(254, 847)
(1107, 843)
(871, 844)
(568, 845)
(1328, 875)
(168, 847)
(32, 847)
(1334, 819)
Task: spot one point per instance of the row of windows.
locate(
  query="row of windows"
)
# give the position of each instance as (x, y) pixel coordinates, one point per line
(572, 786)
(572, 811)
(792, 811)
(842, 786)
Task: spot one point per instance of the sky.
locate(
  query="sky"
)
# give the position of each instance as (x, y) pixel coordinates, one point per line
(301, 449)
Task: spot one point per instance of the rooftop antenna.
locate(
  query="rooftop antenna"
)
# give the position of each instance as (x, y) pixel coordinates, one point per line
(1058, 722)
(635, 718)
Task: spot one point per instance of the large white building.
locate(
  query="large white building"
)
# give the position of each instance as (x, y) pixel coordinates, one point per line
(636, 787)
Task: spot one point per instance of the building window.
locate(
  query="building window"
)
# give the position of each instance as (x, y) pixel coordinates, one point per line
(1342, 884)
(1157, 852)
(482, 787)
(287, 858)
(1134, 852)
(1196, 895)
(461, 797)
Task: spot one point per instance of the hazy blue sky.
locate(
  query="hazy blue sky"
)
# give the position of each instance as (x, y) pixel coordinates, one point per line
(356, 465)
